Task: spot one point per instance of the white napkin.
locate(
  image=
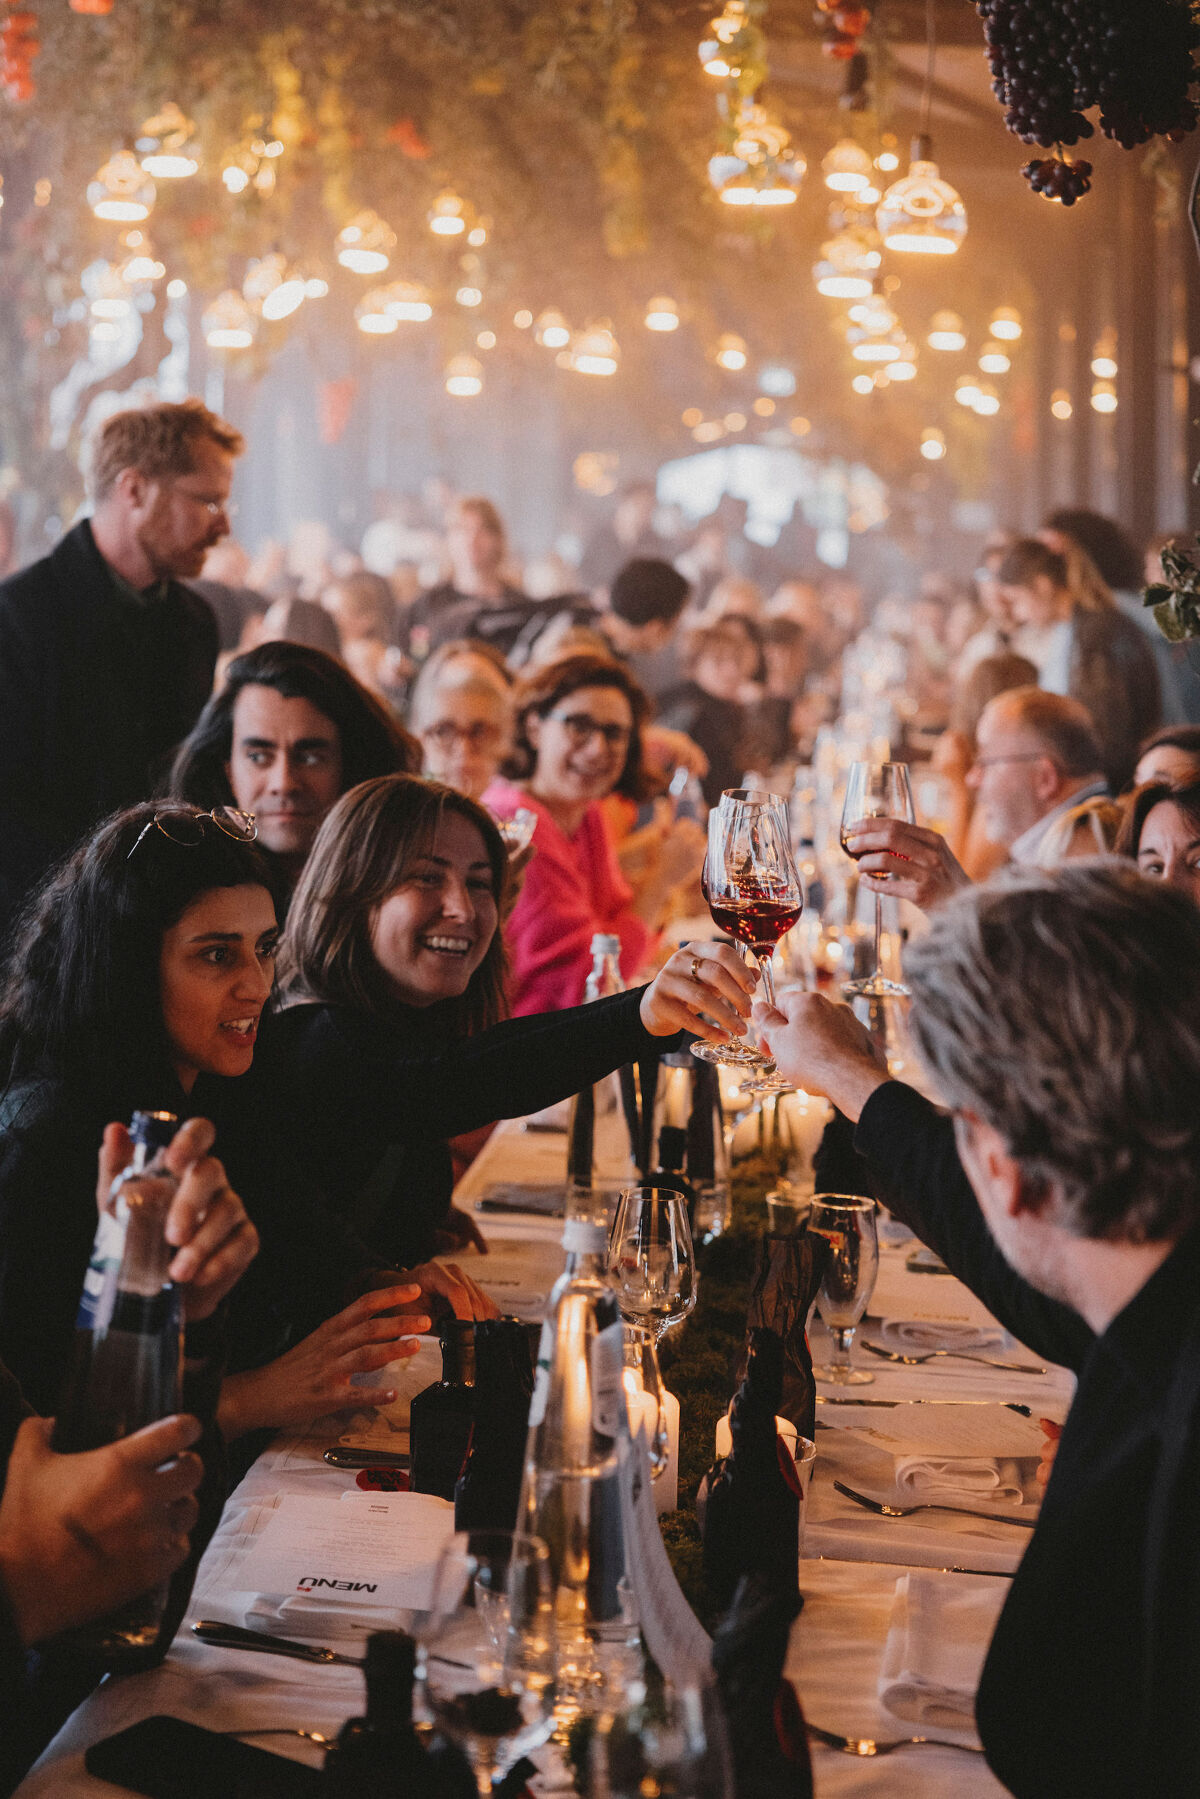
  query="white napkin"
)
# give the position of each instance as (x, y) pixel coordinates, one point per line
(940, 1629)
(959, 1479)
(906, 1334)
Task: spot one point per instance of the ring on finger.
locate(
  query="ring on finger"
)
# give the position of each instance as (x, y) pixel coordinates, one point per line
(696, 976)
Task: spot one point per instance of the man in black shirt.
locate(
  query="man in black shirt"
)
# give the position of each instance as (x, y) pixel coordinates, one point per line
(105, 656)
(1059, 1015)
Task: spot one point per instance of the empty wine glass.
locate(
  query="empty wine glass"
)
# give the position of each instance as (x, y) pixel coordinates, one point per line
(754, 893)
(485, 1653)
(517, 831)
(847, 1221)
(651, 1262)
(876, 790)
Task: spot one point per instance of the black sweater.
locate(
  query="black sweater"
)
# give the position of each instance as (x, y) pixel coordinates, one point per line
(369, 1103)
(1091, 1684)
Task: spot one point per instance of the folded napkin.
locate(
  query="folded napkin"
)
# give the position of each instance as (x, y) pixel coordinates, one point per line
(940, 1628)
(938, 1333)
(959, 1480)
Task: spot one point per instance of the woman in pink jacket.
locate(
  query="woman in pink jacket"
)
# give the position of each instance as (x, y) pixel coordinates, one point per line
(579, 722)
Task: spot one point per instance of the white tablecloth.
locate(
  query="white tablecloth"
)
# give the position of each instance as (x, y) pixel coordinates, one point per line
(848, 1581)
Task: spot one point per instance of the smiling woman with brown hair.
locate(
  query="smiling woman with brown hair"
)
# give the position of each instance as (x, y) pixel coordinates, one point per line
(392, 973)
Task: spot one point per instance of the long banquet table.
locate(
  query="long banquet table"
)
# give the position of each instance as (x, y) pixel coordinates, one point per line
(853, 1558)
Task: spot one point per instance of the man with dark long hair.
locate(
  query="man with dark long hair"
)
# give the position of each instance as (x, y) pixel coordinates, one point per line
(290, 731)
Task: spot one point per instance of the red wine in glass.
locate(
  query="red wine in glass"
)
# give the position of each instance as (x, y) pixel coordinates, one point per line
(756, 917)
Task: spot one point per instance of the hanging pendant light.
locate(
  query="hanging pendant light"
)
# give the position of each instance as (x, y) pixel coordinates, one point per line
(1006, 324)
(447, 216)
(847, 168)
(365, 245)
(849, 263)
(464, 377)
(876, 335)
(731, 352)
(228, 324)
(595, 351)
(922, 214)
(167, 145)
(121, 191)
(551, 330)
(662, 314)
(946, 332)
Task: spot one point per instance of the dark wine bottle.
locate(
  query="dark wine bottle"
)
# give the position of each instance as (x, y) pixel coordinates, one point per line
(489, 1488)
(767, 1740)
(383, 1745)
(672, 1155)
(752, 1515)
(126, 1362)
(442, 1415)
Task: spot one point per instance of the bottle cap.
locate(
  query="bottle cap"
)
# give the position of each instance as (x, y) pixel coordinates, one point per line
(605, 943)
(581, 1237)
(154, 1129)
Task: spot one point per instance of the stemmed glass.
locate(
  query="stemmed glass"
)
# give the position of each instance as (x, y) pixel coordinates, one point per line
(876, 790)
(651, 1262)
(485, 1654)
(672, 1743)
(848, 1223)
(755, 894)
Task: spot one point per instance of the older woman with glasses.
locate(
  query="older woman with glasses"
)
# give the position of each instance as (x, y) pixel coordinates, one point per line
(579, 726)
(462, 713)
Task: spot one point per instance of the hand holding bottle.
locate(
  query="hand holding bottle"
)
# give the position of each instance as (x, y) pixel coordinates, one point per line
(82, 1534)
(206, 1223)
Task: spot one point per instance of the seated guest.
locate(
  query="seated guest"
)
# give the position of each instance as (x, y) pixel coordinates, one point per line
(722, 659)
(1037, 757)
(288, 732)
(1170, 754)
(1084, 648)
(462, 714)
(138, 980)
(771, 718)
(1161, 832)
(393, 979)
(1056, 1014)
(477, 601)
(954, 755)
(364, 610)
(301, 621)
(645, 603)
(81, 1534)
(579, 724)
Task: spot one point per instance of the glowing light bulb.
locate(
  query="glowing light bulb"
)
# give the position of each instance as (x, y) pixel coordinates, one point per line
(662, 314)
(847, 168)
(122, 192)
(364, 246)
(552, 330)
(168, 145)
(1105, 367)
(921, 214)
(595, 352)
(993, 360)
(731, 351)
(1104, 397)
(464, 377)
(228, 324)
(1060, 404)
(1006, 324)
(446, 219)
(863, 384)
(933, 444)
(946, 332)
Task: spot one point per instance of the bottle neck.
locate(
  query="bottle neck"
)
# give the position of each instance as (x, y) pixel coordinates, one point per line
(389, 1674)
(458, 1354)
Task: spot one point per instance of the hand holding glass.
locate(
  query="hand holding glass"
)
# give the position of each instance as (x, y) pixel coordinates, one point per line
(876, 790)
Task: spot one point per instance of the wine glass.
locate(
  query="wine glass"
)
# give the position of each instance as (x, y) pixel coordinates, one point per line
(754, 893)
(517, 832)
(848, 1223)
(651, 1262)
(485, 1653)
(671, 1742)
(876, 790)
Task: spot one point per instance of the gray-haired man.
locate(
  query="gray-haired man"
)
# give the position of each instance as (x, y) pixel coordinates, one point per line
(1059, 1015)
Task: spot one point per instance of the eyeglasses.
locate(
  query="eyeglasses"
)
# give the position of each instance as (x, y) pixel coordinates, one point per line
(214, 508)
(480, 736)
(580, 728)
(185, 825)
(1029, 756)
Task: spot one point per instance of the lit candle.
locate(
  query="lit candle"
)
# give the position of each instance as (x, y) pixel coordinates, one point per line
(643, 1412)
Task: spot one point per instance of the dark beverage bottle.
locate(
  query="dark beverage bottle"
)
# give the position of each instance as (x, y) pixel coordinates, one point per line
(672, 1155)
(383, 1745)
(126, 1364)
(441, 1417)
(489, 1487)
(752, 1517)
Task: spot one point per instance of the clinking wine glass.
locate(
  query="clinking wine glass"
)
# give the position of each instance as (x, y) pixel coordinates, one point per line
(651, 1261)
(877, 790)
(847, 1222)
(485, 1653)
(754, 891)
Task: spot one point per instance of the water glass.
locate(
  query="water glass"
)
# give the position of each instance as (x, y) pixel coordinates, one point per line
(847, 1221)
(651, 1261)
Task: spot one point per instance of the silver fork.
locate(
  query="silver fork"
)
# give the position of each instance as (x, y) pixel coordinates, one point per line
(869, 1746)
(956, 1355)
(930, 1505)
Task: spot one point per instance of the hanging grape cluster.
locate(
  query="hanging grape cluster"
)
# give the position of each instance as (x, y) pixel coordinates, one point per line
(1054, 60)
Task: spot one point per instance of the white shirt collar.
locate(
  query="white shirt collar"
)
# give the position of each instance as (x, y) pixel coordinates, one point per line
(1025, 850)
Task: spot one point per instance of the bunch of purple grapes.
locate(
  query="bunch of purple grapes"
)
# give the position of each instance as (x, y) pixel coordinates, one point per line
(1058, 179)
(1052, 60)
